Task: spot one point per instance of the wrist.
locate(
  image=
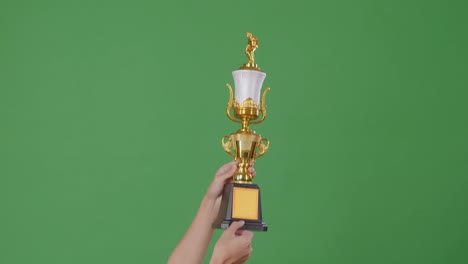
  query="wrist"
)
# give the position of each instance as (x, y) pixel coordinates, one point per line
(216, 259)
(208, 200)
(207, 205)
(208, 211)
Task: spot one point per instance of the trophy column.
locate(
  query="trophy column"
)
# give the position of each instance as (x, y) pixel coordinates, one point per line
(241, 198)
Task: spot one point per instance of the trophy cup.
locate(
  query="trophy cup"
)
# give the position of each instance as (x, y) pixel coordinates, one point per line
(241, 198)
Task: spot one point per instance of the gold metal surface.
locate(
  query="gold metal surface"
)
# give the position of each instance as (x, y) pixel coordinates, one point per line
(227, 146)
(247, 112)
(263, 148)
(245, 145)
(262, 107)
(252, 45)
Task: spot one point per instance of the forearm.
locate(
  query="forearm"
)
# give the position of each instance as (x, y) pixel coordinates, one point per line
(192, 248)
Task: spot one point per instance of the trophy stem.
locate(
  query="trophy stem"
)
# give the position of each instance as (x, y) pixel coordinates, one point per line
(245, 124)
(242, 174)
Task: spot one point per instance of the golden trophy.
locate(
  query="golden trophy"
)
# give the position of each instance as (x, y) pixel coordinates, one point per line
(241, 198)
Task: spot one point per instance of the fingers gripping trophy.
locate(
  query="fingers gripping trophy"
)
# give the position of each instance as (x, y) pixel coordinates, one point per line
(241, 198)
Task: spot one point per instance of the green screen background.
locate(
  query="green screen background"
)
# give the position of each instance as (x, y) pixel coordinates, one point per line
(111, 115)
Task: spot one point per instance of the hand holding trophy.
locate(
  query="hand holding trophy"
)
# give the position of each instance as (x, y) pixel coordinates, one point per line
(241, 198)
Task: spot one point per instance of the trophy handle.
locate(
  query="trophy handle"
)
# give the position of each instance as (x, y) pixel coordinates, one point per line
(231, 104)
(227, 146)
(262, 107)
(264, 144)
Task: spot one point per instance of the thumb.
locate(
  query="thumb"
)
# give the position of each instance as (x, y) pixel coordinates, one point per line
(235, 226)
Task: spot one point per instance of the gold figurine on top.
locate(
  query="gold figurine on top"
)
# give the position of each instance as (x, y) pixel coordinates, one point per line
(252, 45)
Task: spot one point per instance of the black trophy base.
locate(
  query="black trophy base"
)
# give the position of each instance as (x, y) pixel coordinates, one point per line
(241, 202)
(249, 225)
